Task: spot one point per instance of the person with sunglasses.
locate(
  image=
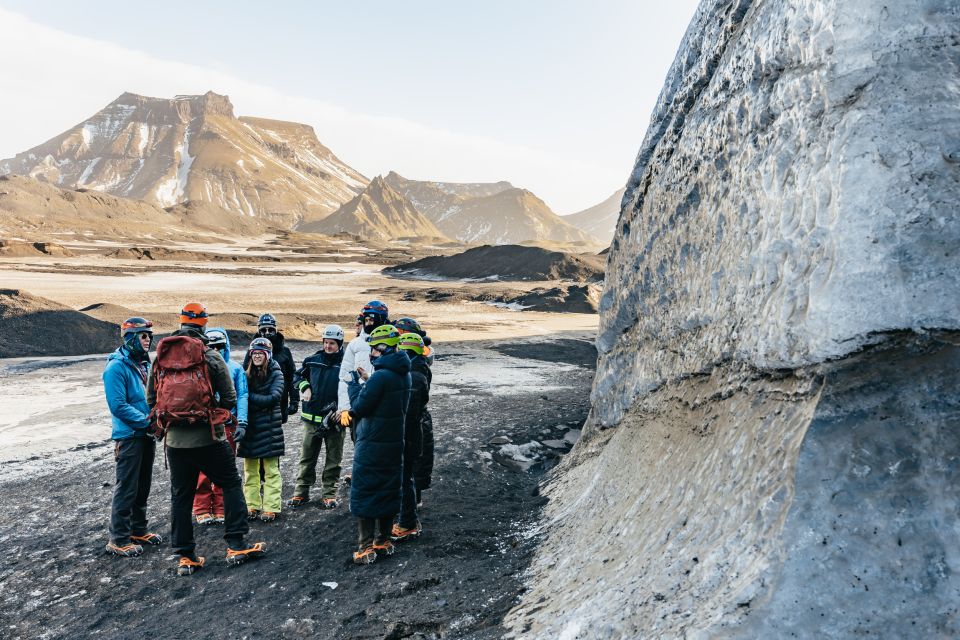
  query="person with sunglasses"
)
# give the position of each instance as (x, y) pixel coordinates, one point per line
(356, 366)
(267, 328)
(124, 383)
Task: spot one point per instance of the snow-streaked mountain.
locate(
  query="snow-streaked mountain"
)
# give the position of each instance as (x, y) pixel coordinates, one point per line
(168, 151)
(490, 213)
(379, 213)
(600, 220)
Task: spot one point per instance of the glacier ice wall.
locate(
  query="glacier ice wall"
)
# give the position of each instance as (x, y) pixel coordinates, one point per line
(778, 344)
(796, 192)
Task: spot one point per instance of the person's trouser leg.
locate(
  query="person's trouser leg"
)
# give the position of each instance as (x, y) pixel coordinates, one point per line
(128, 507)
(309, 452)
(384, 527)
(221, 467)
(203, 499)
(423, 465)
(251, 484)
(138, 519)
(183, 484)
(216, 500)
(366, 530)
(272, 485)
(408, 497)
(331, 466)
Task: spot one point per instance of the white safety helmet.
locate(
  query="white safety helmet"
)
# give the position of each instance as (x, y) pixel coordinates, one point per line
(333, 332)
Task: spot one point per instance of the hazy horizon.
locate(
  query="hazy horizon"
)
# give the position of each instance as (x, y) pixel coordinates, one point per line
(553, 97)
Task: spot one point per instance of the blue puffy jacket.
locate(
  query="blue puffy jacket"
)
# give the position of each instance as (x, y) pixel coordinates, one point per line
(239, 380)
(126, 395)
(381, 407)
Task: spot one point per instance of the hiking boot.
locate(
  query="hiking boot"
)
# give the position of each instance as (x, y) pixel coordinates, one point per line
(297, 501)
(253, 514)
(203, 518)
(130, 550)
(268, 516)
(399, 533)
(218, 518)
(188, 566)
(367, 555)
(152, 539)
(330, 503)
(239, 556)
(384, 548)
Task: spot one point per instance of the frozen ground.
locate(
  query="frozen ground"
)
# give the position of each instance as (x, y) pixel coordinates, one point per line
(458, 580)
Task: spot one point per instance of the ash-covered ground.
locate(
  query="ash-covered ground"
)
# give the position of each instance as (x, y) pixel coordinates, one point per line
(457, 581)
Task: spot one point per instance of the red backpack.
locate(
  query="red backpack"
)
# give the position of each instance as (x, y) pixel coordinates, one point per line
(182, 386)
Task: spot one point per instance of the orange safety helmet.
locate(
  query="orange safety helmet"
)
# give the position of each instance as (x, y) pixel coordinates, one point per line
(194, 313)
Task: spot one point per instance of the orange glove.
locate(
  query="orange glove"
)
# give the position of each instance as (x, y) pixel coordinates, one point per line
(345, 419)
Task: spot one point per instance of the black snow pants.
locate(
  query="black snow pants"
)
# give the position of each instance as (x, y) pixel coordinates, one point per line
(423, 467)
(128, 513)
(218, 463)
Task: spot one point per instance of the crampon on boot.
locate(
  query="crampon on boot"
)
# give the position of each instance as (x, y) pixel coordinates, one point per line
(126, 551)
(268, 516)
(189, 566)
(402, 533)
(384, 548)
(297, 501)
(152, 539)
(367, 555)
(218, 518)
(203, 518)
(330, 503)
(239, 556)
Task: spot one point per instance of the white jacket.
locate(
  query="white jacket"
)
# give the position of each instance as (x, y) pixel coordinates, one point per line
(357, 354)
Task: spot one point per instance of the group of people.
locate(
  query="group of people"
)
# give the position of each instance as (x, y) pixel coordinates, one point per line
(208, 410)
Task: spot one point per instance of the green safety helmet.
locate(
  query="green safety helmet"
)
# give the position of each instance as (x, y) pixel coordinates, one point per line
(411, 342)
(385, 334)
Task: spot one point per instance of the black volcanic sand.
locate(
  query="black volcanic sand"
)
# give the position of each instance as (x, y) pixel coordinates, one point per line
(31, 326)
(559, 299)
(506, 262)
(459, 580)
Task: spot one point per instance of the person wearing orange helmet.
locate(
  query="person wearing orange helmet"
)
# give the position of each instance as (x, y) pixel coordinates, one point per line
(197, 446)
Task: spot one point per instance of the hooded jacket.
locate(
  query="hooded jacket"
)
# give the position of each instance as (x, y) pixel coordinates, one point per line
(356, 354)
(264, 436)
(381, 408)
(126, 395)
(239, 377)
(421, 377)
(321, 374)
(193, 436)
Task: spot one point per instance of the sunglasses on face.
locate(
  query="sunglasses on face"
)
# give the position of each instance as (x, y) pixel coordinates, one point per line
(148, 336)
(267, 331)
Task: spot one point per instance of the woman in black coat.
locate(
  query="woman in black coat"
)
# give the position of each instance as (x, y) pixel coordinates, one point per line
(408, 523)
(262, 444)
(381, 408)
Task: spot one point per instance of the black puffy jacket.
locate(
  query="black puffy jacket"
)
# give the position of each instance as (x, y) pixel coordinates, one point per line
(421, 377)
(381, 408)
(282, 356)
(264, 435)
(321, 374)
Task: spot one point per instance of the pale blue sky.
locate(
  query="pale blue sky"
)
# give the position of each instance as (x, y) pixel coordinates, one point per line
(571, 81)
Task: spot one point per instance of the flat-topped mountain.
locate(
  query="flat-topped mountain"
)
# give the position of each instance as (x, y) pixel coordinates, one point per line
(193, 148)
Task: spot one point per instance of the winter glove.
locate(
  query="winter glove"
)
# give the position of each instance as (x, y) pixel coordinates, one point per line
(345, 418)
(293, 408)
(240, 432)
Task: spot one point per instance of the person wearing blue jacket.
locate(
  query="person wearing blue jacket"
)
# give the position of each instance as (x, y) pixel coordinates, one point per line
(208, 501)
(380, 405)
(124, 380)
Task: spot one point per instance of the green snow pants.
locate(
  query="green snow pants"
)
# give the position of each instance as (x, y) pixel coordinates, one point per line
(310, 453)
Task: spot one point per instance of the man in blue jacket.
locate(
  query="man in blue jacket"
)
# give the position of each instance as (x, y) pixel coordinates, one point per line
(124, 380)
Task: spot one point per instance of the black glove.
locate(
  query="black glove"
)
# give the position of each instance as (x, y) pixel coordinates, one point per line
(240, 432)
(293, 408)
